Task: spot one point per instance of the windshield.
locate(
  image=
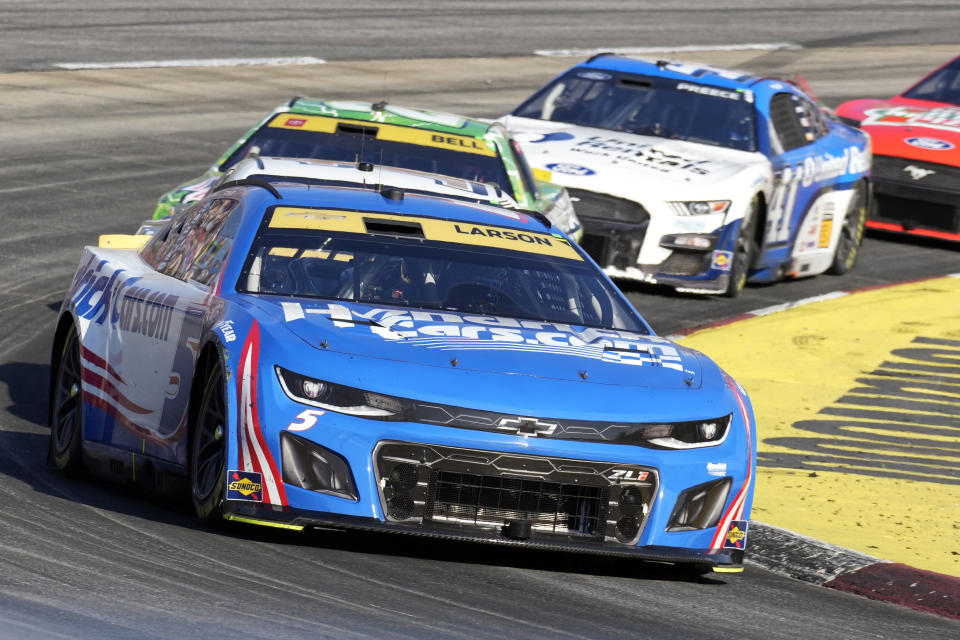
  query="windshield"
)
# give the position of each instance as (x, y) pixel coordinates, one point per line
(940, 86)
(448, 155)
(648, 106)
(432, 264)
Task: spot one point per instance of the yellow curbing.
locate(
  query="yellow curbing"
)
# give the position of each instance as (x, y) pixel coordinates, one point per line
(858, 410)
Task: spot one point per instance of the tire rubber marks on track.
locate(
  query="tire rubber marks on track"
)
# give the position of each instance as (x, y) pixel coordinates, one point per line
(902, 420)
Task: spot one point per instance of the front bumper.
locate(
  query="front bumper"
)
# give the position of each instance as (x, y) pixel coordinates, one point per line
(657, 478)
(615, 231)
(721, 560)
(928, 204)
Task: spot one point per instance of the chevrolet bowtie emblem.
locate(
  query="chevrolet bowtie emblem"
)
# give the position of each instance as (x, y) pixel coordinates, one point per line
(527, 426)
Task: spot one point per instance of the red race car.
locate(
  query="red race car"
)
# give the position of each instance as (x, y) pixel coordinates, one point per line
(916, 161)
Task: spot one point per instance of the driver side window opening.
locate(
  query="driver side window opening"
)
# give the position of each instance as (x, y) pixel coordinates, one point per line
(793, 121)
(196, 243)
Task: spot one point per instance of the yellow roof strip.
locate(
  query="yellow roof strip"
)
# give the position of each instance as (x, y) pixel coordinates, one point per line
(468, 233)
(390, 132)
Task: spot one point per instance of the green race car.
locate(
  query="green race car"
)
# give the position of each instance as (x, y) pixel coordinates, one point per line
(389, 135)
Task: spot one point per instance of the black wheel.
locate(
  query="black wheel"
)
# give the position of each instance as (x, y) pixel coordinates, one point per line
(66, 412)
(744, 252)
(851, 235)
(208, 449)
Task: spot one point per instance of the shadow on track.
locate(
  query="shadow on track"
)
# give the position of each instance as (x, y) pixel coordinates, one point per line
(27, 384)
(455, 552)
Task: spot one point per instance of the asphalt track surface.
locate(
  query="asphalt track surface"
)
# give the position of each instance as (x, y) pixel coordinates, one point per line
(88, 152)
(34, 35)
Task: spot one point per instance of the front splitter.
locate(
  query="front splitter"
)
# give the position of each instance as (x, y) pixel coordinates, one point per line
(719, 560)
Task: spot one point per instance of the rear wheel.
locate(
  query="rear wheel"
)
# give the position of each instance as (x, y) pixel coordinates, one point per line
(744, 252)
(66, 415)
(208, 449)
(851, 235)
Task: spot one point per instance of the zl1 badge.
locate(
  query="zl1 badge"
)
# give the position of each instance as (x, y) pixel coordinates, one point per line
(736, 537)
(244, 485)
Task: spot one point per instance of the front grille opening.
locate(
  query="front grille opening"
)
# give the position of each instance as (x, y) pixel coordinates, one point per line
(595, 246)
(684, 263)
(600, 206)
(550, 507)
(913, 214)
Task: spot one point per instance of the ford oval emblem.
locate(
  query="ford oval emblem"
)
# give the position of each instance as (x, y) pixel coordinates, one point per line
(933, 144)
(570, 169)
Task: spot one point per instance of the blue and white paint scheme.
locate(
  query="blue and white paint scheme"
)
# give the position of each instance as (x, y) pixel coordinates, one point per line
(345, 356)
(670, 164)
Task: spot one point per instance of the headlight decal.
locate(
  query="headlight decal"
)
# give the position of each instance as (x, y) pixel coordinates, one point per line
(735, 510)
(700, 207)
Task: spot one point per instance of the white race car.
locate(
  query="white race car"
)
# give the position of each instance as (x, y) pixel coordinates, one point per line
(698, 178)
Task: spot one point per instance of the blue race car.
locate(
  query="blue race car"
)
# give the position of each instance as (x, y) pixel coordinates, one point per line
(325, 354)
(698, 178)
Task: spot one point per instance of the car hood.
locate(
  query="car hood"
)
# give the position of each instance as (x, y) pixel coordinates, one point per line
(588, 158)
(489, 344)
(912, 129)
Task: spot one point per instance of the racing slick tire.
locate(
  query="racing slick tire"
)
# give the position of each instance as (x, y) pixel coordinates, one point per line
(66, 408)
(208, 440)
(744, 251)
(851, 235)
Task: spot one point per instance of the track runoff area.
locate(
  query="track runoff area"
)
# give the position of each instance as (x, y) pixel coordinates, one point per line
(857, 395)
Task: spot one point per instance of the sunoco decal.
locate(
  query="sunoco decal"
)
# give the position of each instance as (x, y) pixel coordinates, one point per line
(244, 485)
(736, 537)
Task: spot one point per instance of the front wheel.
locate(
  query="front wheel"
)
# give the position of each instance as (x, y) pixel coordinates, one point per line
(208, 449)
(851, 235)
(744, 252)
(66, 411)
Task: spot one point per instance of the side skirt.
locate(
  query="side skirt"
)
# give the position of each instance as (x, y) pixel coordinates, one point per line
(136, 469)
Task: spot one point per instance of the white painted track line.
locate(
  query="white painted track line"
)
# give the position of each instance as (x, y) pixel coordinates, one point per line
(693, 48)
(206, 62)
